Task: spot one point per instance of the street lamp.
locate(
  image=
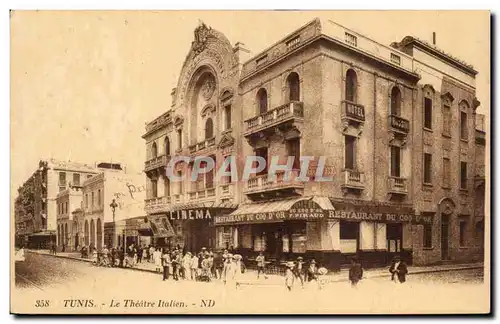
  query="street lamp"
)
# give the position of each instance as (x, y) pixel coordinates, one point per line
(113, 206)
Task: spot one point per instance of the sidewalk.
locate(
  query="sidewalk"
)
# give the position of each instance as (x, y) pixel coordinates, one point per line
(250, 276)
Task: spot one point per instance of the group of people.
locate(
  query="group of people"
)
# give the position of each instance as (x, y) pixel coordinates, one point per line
(202, 266)
(207, 265)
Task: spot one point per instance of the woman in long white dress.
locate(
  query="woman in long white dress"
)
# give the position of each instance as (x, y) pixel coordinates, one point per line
(157, 259)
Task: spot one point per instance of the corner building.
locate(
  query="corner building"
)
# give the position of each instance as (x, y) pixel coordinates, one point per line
(323, 91)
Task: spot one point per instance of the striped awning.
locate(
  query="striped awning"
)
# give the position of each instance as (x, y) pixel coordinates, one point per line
(302, 208)
(203, 205)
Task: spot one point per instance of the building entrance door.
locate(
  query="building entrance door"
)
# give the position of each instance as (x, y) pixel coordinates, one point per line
(445, 225)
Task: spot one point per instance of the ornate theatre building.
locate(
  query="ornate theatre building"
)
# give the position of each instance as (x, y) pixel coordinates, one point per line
(395, 125)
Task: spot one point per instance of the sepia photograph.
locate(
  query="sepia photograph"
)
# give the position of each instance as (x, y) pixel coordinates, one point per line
(250, 162)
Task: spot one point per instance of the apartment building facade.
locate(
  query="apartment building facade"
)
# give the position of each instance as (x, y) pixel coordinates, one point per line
(37, 219)
(67, 202)
(108, 199)
(322, 91)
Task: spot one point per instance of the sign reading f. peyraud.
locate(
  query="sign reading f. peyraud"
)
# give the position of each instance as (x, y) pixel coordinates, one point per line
(333, 167)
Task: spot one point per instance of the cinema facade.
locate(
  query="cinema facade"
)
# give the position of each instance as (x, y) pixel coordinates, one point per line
(321, 91)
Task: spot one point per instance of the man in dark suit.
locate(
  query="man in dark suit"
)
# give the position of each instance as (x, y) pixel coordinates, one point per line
(355, 272)
(398, 269)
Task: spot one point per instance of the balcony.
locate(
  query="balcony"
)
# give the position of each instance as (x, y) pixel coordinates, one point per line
(208, 193)
(399, 124)
(352, 179)
(262, 183)
(157, 162)
(285, 113)
(206, 144)
(156, 203)
(177, 198)
(226, 190)
(397, 185)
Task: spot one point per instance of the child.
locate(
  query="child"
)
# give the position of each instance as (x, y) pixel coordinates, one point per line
(261, 263)
(289, 277)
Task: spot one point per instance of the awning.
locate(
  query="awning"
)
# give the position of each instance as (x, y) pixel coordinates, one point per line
(159, 225)
(303, 208)
(380, 212)
(44, 233)
(203, 205)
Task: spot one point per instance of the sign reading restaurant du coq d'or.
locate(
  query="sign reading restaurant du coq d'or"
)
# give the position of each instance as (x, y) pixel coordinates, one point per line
(309, 210)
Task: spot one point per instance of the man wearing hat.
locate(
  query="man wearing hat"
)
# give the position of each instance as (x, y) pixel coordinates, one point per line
(398, 270)
(355, 272)
(298, 270)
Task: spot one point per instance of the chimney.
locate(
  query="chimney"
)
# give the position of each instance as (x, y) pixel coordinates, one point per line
(434, 38)
(242, 53)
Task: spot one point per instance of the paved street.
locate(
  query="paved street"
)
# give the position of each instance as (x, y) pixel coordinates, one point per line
(41, 276)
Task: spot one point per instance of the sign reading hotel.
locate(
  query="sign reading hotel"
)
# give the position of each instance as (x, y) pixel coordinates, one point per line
(309, 210)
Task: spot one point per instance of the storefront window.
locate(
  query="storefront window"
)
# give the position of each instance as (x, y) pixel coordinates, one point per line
(349, 233)
(224, 237)
(394, 237)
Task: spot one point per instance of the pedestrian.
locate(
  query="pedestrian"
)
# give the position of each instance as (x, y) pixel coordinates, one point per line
(227, 266)
(312, 271)
(211, 264)
(140, 252)
(398, 270)
(261, 263)
(151, 253)
(218, 265)
(94, 257)
(134, 258)
(112, 257)
(157, 260)
(105, 256)
(205, 269)
(194, 267)
(355, 272)
(298, 271)
(166, 263)
(186, 266)
(289, 277)
(175, 265)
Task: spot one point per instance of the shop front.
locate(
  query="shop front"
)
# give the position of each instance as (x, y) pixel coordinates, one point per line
(281, 229)
(187, 226)
(375, 232)
(328, 230)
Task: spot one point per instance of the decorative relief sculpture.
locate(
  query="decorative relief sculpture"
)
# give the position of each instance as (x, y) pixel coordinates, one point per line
(201, 35)
(208, 88)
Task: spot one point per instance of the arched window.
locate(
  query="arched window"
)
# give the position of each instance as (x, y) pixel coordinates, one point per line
(154, 150)
(66, 234)
(209, 128)
(351, 84)
(293, 82)
(167, 146)
(99, 234)
(86, 234)
(92, 233)
(395, 101)
(262, 100)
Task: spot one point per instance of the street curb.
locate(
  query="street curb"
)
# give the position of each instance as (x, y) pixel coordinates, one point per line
(343, 279)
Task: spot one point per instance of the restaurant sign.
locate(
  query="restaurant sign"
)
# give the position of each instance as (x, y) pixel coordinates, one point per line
(309, 210)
